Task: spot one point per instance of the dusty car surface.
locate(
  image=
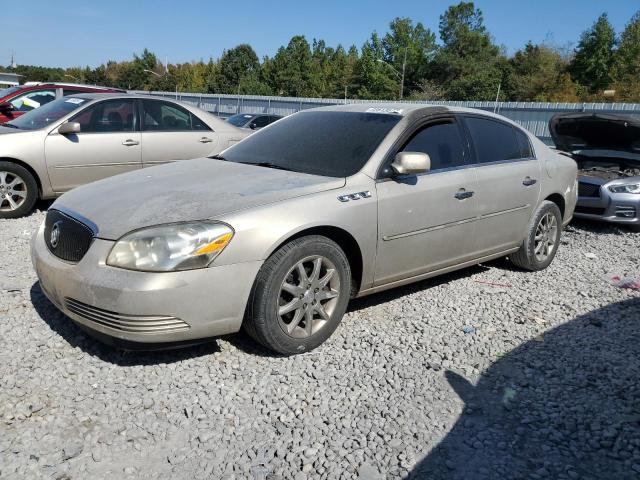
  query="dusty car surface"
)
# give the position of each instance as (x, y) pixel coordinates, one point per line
(607, 151)
(82, 138)
(279, 232)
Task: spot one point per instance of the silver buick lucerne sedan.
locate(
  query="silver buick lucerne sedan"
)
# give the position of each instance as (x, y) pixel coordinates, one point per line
(81, 138)
(278, 232)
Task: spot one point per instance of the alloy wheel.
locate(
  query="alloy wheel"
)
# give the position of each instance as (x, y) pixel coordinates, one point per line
(546, 236)
(308, 296)
(13, 191)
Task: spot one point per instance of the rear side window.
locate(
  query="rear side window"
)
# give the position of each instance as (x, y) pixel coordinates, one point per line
(167, 117)
(442, 142)
(493, 141)
(525, 145)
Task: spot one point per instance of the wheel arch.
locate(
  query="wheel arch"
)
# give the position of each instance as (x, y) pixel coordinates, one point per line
(27, 167)
(345, 241)
(559, 201)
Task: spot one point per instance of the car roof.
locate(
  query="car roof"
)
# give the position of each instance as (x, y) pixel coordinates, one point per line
(412, 109)
(36, 85)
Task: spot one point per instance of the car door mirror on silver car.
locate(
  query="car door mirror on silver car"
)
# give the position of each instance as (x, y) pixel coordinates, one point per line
(69, 128)
(411, 163)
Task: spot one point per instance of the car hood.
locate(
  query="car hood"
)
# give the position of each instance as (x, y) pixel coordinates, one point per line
(5, 130)
(187, 190)
(595, 131)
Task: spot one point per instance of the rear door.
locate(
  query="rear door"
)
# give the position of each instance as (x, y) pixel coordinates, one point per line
(170, 133)
(508, 182)
(108, 144)
(426, 221)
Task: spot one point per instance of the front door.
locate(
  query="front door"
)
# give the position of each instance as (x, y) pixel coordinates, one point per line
(508, 177)
(170, 133)
(108, 144)
(426, 222)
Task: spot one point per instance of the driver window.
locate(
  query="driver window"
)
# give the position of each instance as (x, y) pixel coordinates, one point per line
(442, 142)
(110, 116)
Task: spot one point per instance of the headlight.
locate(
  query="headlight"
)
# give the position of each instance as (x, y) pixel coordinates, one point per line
(168, 248)
(630, 188)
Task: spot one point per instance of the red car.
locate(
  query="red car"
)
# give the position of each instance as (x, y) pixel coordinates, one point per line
(15, 101)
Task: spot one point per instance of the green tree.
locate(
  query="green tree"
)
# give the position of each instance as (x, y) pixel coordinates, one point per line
(411, 46)
(593, 60)
(290, 71)
(626, 69)
(375, 79)
(535, 71)
(235, 66)
(469, 65)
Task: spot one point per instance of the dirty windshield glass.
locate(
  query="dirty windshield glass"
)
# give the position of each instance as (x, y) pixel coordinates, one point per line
(47, 114)
(333, 144)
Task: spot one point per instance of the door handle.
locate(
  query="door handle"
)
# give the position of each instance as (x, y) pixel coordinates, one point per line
(205, 140)
(130, 143)
(463, 194)
(528, 181)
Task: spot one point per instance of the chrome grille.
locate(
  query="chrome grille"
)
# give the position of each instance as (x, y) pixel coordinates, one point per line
(126, 323)
(66, 237)
(588, 190)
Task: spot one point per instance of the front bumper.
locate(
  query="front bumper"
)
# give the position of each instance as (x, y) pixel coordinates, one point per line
(141, 307)
(621, 208)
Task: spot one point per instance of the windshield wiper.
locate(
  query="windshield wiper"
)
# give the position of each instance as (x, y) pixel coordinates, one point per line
(10, 125)
(270, 165)
(218, 157)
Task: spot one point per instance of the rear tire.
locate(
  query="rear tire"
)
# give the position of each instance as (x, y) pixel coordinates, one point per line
(542, 239)
(300, 296)
(18, 190)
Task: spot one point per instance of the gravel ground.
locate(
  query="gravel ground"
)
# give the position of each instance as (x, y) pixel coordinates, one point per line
(486, 373)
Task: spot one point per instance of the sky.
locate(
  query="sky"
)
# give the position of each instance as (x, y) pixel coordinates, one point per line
(66, 34)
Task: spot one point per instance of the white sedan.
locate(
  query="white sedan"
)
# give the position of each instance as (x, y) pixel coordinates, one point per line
(84, 138)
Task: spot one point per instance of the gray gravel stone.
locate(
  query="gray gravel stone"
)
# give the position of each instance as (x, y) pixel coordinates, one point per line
(545, 386)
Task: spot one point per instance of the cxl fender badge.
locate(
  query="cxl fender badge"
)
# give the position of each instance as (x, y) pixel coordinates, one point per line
(354, 196)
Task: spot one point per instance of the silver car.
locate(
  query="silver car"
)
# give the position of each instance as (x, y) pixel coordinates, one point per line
(607, 150)
(82, 138)
(281, 230)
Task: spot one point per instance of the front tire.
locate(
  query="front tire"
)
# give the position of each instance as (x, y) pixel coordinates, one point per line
(542, 239)
(18, 190)
(300, 295)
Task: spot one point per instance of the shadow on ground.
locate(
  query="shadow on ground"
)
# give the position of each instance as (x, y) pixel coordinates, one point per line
(565, 407)
(63, 326)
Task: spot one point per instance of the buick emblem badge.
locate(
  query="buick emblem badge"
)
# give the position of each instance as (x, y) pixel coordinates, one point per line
(55, 234)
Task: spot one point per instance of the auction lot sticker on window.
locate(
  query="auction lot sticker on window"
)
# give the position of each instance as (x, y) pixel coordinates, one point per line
(384, 110)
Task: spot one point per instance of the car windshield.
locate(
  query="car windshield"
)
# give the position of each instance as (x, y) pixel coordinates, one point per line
(47, 114)
(7, 91)
(240, 119)
(332, 144)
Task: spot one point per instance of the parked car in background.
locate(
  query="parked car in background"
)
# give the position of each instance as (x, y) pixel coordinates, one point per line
(279, 232)
(82, 138)
(16, 101)
(607, 150)
(254, 121)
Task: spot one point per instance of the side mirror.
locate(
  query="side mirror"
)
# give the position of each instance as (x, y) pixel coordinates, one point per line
(253, 126)
(6, 107)
(69, 128)
(411, 163)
